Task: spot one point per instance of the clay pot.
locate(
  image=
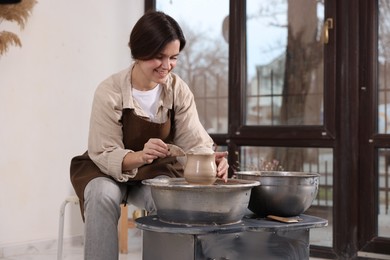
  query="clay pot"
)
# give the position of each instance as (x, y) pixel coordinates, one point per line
(200, 168)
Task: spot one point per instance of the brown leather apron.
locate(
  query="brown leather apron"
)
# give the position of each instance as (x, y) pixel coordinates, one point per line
(136, 132)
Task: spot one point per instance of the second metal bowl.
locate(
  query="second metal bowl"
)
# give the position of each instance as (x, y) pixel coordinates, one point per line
(281, 193)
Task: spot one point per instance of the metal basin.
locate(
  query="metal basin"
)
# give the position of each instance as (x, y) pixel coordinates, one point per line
(182, 203)
(281, 193)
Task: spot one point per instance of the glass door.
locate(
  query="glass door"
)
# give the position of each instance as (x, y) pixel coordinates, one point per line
(375, 128)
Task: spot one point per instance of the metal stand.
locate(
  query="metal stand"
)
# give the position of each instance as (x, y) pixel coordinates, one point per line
(249, 239)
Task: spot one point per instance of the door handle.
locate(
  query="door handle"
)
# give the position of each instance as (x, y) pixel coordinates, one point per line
(328, 25)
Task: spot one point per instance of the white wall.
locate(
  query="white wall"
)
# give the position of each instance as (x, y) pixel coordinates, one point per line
(46, 90)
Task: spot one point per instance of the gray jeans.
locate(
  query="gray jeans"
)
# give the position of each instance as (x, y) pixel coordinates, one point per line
(103, 197)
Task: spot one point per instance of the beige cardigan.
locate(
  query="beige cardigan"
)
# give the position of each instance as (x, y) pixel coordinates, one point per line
(105, 145)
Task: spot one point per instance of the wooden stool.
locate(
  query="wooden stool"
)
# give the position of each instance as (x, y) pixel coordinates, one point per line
(71, 199)
(124, 224)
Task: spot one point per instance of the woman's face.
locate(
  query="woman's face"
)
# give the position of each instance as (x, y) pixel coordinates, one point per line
(156, 70)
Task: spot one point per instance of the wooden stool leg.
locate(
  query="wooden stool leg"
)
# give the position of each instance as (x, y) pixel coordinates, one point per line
(123, 226)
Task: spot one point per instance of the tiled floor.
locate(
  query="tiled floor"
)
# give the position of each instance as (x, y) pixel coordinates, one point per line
(75, 251)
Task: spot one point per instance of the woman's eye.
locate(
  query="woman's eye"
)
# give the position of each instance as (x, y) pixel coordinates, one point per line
(162, 58)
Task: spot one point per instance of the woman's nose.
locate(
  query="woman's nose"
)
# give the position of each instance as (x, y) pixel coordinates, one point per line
(165, 63)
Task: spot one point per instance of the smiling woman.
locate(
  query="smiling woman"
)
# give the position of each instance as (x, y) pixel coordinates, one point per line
(136, 114)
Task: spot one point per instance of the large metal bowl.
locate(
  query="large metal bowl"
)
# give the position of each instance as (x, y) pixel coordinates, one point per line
(281, 193)
(182, 203)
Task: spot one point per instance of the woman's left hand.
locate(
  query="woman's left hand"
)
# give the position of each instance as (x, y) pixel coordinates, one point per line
(222, 165)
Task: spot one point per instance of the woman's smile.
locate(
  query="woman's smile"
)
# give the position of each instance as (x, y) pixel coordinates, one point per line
(162, 73)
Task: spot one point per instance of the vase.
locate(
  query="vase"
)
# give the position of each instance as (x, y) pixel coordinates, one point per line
(200, 168)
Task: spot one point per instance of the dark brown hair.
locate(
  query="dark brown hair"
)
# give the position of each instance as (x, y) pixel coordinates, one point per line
(151, 33)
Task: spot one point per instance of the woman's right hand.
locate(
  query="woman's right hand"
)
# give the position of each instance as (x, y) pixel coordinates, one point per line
(154, 148)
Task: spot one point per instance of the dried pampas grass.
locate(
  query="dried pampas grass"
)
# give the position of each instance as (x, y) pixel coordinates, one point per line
(18, 13)
(7, 39)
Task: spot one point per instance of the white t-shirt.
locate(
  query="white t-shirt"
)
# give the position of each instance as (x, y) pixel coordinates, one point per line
(148, 100)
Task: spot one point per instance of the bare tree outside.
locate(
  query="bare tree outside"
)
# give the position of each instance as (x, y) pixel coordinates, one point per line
(204, 66)
(288, 90)
(303, 80)
(203, 63)
(303, 69)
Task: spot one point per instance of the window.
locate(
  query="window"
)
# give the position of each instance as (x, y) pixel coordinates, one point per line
(284, 63)
(203, 63)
